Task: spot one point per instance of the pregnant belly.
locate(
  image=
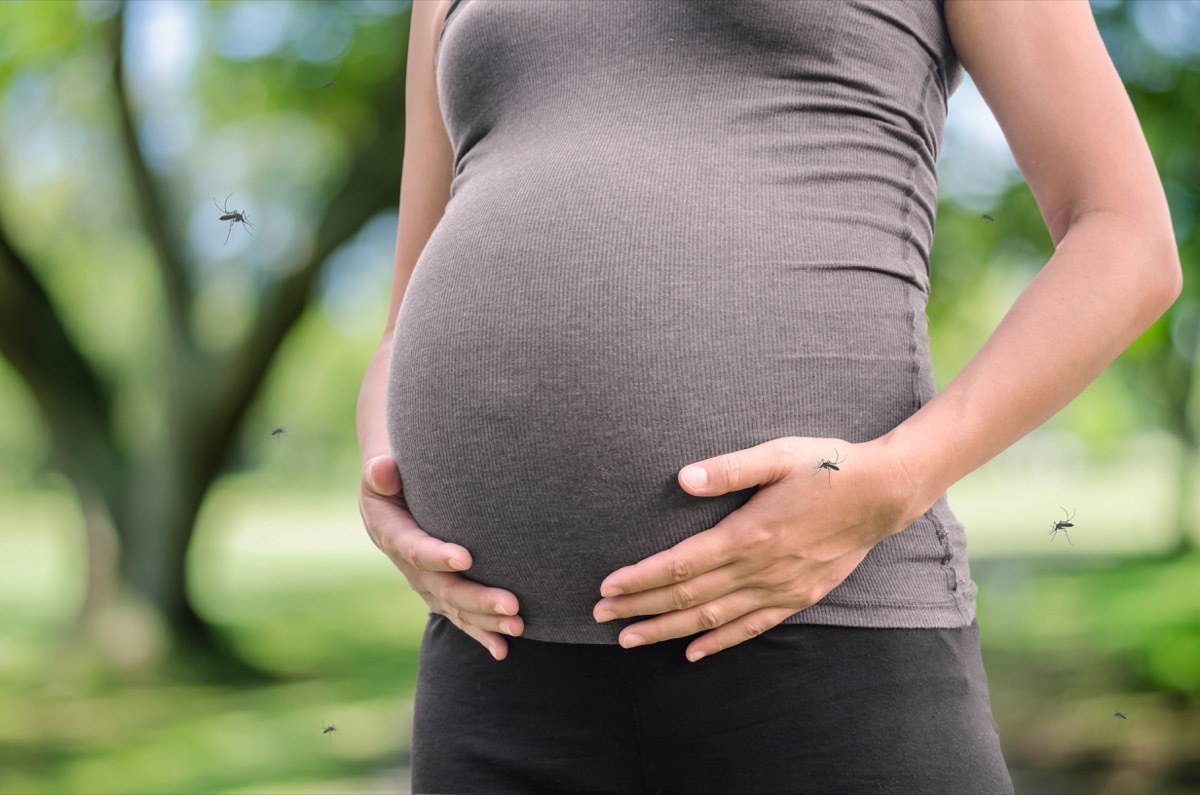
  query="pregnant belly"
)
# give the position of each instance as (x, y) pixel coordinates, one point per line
(539, 416)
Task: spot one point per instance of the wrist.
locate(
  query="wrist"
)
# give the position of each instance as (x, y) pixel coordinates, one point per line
(918, 483)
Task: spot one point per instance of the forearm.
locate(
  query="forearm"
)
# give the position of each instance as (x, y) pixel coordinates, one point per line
(371, 416)
(1104, 286)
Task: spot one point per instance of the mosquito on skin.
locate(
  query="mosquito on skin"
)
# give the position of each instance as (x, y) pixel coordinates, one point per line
(829, 466)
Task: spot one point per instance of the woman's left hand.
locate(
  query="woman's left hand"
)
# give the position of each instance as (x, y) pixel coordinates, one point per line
(790, 544)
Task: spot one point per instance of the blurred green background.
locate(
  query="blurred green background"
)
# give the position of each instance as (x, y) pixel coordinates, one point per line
(187, 598)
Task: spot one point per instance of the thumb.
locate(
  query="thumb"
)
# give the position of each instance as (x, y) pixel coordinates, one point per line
(764, 463)
(381, 476)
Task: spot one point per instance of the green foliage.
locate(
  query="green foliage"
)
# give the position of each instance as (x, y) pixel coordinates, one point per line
(144, 333)
(257, 121)
(33, 35)
(1067, 646)
(334, 622)
(1143, 614)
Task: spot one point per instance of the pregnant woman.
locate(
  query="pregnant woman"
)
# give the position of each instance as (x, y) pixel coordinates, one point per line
(653, 420)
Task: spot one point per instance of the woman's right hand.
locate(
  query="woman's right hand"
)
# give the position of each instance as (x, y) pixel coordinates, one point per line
(431, 566)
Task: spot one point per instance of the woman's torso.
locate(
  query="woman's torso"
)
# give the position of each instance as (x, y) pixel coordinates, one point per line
(676, 229)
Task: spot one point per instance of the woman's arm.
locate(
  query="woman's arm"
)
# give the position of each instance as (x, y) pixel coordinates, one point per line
(426, 562)
(1044, 72)
(424, 192)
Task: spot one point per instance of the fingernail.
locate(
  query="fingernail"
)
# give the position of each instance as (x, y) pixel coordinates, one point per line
(632, 641)
(695, 476)
(504, 611)
(610, 590)
(507, 626)
(495, 654)
(605, 615)
(455, 564)
(694, 656)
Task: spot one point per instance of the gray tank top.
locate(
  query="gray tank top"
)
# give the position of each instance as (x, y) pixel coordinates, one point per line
(676, 229)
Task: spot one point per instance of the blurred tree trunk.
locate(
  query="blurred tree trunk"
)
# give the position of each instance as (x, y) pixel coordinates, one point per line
(1179, 379)
(1168, 382)
(1185, 500)
(148, 494)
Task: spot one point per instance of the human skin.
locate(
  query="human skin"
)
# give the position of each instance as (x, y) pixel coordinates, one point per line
(1044, 72)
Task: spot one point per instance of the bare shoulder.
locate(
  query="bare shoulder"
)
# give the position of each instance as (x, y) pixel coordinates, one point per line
(1043, 69)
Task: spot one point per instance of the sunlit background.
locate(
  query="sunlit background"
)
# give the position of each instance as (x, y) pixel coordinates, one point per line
(187, 597)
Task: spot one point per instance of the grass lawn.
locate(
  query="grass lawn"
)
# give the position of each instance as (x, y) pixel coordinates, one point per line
(1071, 635)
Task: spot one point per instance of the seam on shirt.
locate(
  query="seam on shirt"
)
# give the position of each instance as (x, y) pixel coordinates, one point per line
(850, 601)
(939, 530)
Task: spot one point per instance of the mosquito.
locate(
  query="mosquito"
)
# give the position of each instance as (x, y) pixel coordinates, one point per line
(330, 84)
(987, 217)
(1120, 715)
(330, 729)
(829, 466)
(278, 432)
(1062, 524)
(233, 217)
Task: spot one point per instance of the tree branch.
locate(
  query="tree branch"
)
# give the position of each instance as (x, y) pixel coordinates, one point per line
(150, 203)
(75, 403)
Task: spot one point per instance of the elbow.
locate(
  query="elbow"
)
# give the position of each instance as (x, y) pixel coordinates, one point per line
(1146, 253)
(1154, 275)
(1155, 280)
(1166, 283)
(1161, 270)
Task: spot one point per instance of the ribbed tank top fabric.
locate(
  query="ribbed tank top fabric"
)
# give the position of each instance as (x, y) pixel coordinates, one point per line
(677, 228)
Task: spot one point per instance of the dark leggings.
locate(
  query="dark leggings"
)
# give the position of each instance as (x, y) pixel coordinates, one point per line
(799, 709)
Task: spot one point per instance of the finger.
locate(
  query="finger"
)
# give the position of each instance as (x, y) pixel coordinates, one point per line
(400, 537)
(742, 629)
(496, 645)
(472, 597)
(764, 463)
(430, 554)
(381, 476)
(700, 618)
(690, 558)
(680, 596)
(512, 626)
(433, 588)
